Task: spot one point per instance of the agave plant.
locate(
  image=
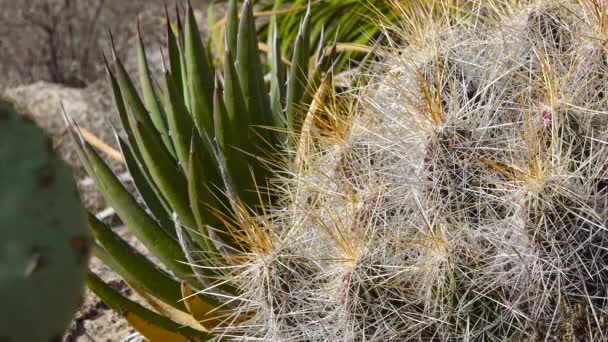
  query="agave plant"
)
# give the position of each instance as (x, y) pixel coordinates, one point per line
(202, 148)
(356, 24)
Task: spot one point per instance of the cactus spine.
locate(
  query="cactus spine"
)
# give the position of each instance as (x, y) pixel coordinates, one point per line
(465, 196)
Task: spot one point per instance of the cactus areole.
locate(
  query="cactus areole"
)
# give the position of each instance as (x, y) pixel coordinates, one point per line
(44, 244)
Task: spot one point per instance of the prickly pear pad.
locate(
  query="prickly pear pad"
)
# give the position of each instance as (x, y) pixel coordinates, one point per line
(44, 240)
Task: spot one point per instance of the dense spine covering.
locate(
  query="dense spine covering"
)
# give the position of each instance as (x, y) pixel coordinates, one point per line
(465, 195)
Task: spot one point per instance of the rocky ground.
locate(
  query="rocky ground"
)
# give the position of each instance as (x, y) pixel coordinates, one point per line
(92, 108)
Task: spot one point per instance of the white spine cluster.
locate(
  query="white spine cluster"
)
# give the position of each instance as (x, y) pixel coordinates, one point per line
(464, 198)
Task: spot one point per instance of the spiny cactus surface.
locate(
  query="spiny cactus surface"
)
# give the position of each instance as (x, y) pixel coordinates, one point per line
(44, 246)
(465, 195)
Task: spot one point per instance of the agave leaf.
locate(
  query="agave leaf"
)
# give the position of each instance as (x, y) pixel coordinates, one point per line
(306, 33)
(206, 274)
(185, 79)
(298, 74)
(322, 70)
(145, 228)
(206, 203)
(135, 158)
(179, 120)
(239, 120)
(232, 27)
(234, 160)
(147, 189)
(178, 316)
(296, 84)
(214, 35)
(150, 96)
(250, 72)
(186, 85)
(272, 24)
(291, 23)
(121, 108)
(175, 63)
(277, 81)
(134, 102)
(223, 129)
(320, 55)
(200, 78)
(168, 177)
(150, 324)
(207, 315)
(134, 267)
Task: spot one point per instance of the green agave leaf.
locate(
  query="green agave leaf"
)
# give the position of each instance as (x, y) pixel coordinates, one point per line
(225, 141)
(242, 168)
(232, 27)
(185, 79)
(136, 269)
(214, 35)
(134, 159)
(306, 33)
(277, 82)
(121, 108)
(208, 204)
(206, 168)
(166, 174)
(272, 24)
(147, 189)
(251, 74)
(239, 120)
(296, 84)
(132, 99)
(175, 62)
(200, 78)
(179, 119)
(290, 24)
(320, 54)
(321, 73)
(144, 227)
(125, 307)
(151, 100)
(298, 74)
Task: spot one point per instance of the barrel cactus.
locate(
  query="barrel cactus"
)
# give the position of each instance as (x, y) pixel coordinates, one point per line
(45, 242)
(463, 195)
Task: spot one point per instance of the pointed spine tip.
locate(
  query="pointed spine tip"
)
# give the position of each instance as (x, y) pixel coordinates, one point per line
(162, 61)
(73, 127)
(216, 83)
(192, 144)
(115, 131)
(105, 62)
(66, 120)
(166, 10)
(178, 18)
(112, 45)
(139, 28)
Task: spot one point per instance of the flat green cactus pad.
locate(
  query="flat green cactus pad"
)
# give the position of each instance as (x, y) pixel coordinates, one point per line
(44, 240)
